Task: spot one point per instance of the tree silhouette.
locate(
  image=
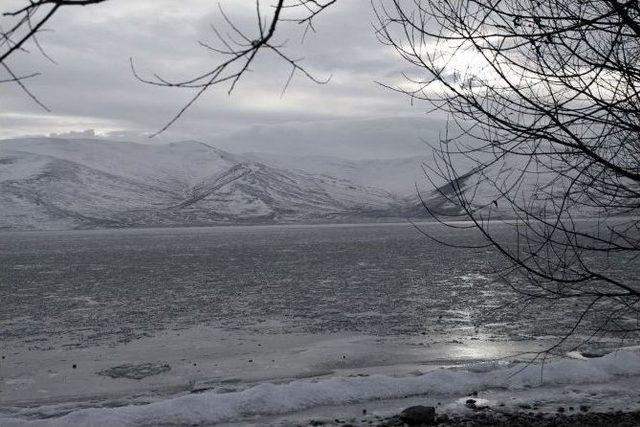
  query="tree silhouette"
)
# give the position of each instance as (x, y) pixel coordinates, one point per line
(237, 48)
(542, 100)
(23, 25)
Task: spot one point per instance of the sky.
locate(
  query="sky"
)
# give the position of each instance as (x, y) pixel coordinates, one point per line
(91, 90)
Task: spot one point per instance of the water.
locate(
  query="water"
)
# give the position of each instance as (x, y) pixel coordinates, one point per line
(82, 288)
(231, 308)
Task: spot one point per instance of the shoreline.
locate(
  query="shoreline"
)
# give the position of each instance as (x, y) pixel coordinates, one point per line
(344, 222)
(491, 417)
(213, 376)
(212, 357)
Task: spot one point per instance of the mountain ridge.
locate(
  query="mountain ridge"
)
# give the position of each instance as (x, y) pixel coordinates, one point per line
(54, 183)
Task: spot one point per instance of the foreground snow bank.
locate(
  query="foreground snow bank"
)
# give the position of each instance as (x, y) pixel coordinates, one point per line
(264, 399)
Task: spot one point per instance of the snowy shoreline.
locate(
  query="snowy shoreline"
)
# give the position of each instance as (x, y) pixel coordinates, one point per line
(604, 384)
(258, 405)
(490, 416)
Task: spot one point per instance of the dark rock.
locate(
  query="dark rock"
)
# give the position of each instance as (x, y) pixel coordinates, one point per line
(592, 354)
(364, 412)
(561, 409)
(416, 415)
(529, 419)
(584, 408)
(524, 406)
(470, 403)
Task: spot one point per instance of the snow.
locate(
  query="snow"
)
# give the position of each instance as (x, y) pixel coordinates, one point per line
(176, 165)
(48, 183)
(396, 176)
(271, 399)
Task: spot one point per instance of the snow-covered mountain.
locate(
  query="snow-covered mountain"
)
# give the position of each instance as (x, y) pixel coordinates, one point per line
(48, 183)
(396, 176)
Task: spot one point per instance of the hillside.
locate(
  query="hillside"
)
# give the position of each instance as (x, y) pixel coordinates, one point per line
(59, 184)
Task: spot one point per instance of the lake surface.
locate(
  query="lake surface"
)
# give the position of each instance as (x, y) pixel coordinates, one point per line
(232, 309)
(82, 288)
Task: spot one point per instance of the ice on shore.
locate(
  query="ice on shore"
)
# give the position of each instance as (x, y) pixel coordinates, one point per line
(273, 399)
(136, 372)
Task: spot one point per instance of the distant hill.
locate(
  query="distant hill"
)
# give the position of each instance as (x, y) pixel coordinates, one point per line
(48, 183)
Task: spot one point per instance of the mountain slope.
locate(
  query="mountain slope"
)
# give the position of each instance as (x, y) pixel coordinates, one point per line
(397, 176)
(56, 183)
(48, 183)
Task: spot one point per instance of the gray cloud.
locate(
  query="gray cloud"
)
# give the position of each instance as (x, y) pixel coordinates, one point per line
(92, 87)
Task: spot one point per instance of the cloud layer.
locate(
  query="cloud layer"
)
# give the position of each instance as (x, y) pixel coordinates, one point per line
(92, 86)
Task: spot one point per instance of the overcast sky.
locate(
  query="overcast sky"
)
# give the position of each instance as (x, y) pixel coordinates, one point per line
(91, 86)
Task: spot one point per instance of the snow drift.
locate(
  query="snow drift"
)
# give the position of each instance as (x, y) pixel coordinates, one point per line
(272, 399)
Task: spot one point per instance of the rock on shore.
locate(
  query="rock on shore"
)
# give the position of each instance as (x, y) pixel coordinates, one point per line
(427, 416)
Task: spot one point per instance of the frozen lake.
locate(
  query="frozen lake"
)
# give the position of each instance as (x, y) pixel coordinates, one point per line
(231, 307)
(103, 287)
